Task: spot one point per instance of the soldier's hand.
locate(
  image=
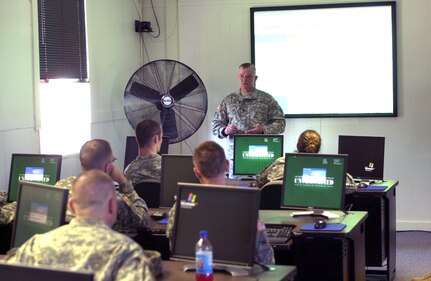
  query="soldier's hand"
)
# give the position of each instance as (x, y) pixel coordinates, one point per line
(230, 129)
(256, 130)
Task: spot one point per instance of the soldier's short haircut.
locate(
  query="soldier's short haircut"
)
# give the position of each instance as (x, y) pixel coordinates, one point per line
(210, 159)
(146, 130)
(95, 154)
(248, 65)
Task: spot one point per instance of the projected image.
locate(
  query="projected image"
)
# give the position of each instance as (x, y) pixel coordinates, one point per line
(343, 64)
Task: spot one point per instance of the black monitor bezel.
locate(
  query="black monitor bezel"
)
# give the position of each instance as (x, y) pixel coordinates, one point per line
(61, 190)
(167, 198)
(24, 272)
(363, 141)
(11, 172)
(252, 228)
(303, 207)
(236, 137)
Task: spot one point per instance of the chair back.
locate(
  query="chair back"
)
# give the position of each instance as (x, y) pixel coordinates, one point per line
(149, 190)
(270, 195)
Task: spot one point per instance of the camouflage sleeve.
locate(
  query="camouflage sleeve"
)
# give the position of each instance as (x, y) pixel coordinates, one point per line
(276, 121)
(135, 267)
(264, 252)
(220, 121)
(7, 213)
(171, 221)
(137, 205)
(67, 183)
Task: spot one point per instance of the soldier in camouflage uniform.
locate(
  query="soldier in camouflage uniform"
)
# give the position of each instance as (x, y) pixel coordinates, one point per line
(248, 110)
(308, 142)
(7, 210)
(132, 213)
(210, 167)
(148, 163)
(88, 242)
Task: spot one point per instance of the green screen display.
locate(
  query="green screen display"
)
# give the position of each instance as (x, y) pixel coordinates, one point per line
(41, 208)
(252, 153)
(314, 181)
(35, 168)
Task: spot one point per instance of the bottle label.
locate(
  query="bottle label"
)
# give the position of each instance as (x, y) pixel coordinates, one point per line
(204, 262)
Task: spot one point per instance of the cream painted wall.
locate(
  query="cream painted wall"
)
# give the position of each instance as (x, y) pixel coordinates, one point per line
(212, 37)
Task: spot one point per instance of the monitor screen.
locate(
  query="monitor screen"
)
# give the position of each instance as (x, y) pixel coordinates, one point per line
(252, 153)
(175, 168)
(40, 209)
(132, 149)
(366, 156)
(229, 214)
(21, 272)
(314, 181)
(327, 60)
(33, 167)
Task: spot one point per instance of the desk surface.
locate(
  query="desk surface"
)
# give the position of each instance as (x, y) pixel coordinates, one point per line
(351, 219)
(390, 184)
(173, 270)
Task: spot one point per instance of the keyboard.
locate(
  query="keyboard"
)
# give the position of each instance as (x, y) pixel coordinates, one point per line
(279, 233)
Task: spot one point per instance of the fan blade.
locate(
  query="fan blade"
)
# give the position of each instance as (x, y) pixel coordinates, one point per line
(183, 88)
(169, 124)
(144, 92)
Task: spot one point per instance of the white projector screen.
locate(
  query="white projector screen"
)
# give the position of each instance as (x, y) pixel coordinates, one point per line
(332, 60)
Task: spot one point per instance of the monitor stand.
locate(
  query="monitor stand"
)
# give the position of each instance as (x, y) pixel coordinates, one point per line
(322, 213)
(232, 270)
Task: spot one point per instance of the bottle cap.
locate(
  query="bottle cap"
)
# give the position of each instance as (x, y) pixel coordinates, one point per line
(203, 233)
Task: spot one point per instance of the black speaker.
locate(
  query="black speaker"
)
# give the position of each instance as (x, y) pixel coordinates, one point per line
(323, 259)
(375, 249)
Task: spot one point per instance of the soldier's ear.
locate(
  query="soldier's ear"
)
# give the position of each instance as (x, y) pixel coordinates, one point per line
(71, 204)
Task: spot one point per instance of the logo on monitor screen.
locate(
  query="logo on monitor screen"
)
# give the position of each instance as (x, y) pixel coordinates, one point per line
(370, 167)
(190, 202)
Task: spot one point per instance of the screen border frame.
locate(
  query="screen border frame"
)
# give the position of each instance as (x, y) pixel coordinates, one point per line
(57, 176)
(343, 189)
(392, 4)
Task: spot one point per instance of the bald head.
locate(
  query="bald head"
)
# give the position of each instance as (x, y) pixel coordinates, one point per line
(95, 154)
(93, 194)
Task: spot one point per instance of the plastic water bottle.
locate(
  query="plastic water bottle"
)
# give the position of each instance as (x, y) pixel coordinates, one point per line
(204, 258)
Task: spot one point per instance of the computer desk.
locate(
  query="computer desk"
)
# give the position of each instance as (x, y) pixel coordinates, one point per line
(380, 227)
(173, 270)
(326, 255)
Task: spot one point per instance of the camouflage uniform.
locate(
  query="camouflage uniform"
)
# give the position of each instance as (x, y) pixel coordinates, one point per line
(264, 252)
(247, 112)
(144, 168)
(132, 213)
(274, 171)
(87, 245)
(7, 210)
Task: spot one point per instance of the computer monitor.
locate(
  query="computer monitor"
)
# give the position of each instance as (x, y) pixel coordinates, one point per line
(175, 168)
(229, 214)
(132, 149)
(315, 182)
(252, 153)
(366, 156)
(41, 168)
(22, 272)
(40, 209)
